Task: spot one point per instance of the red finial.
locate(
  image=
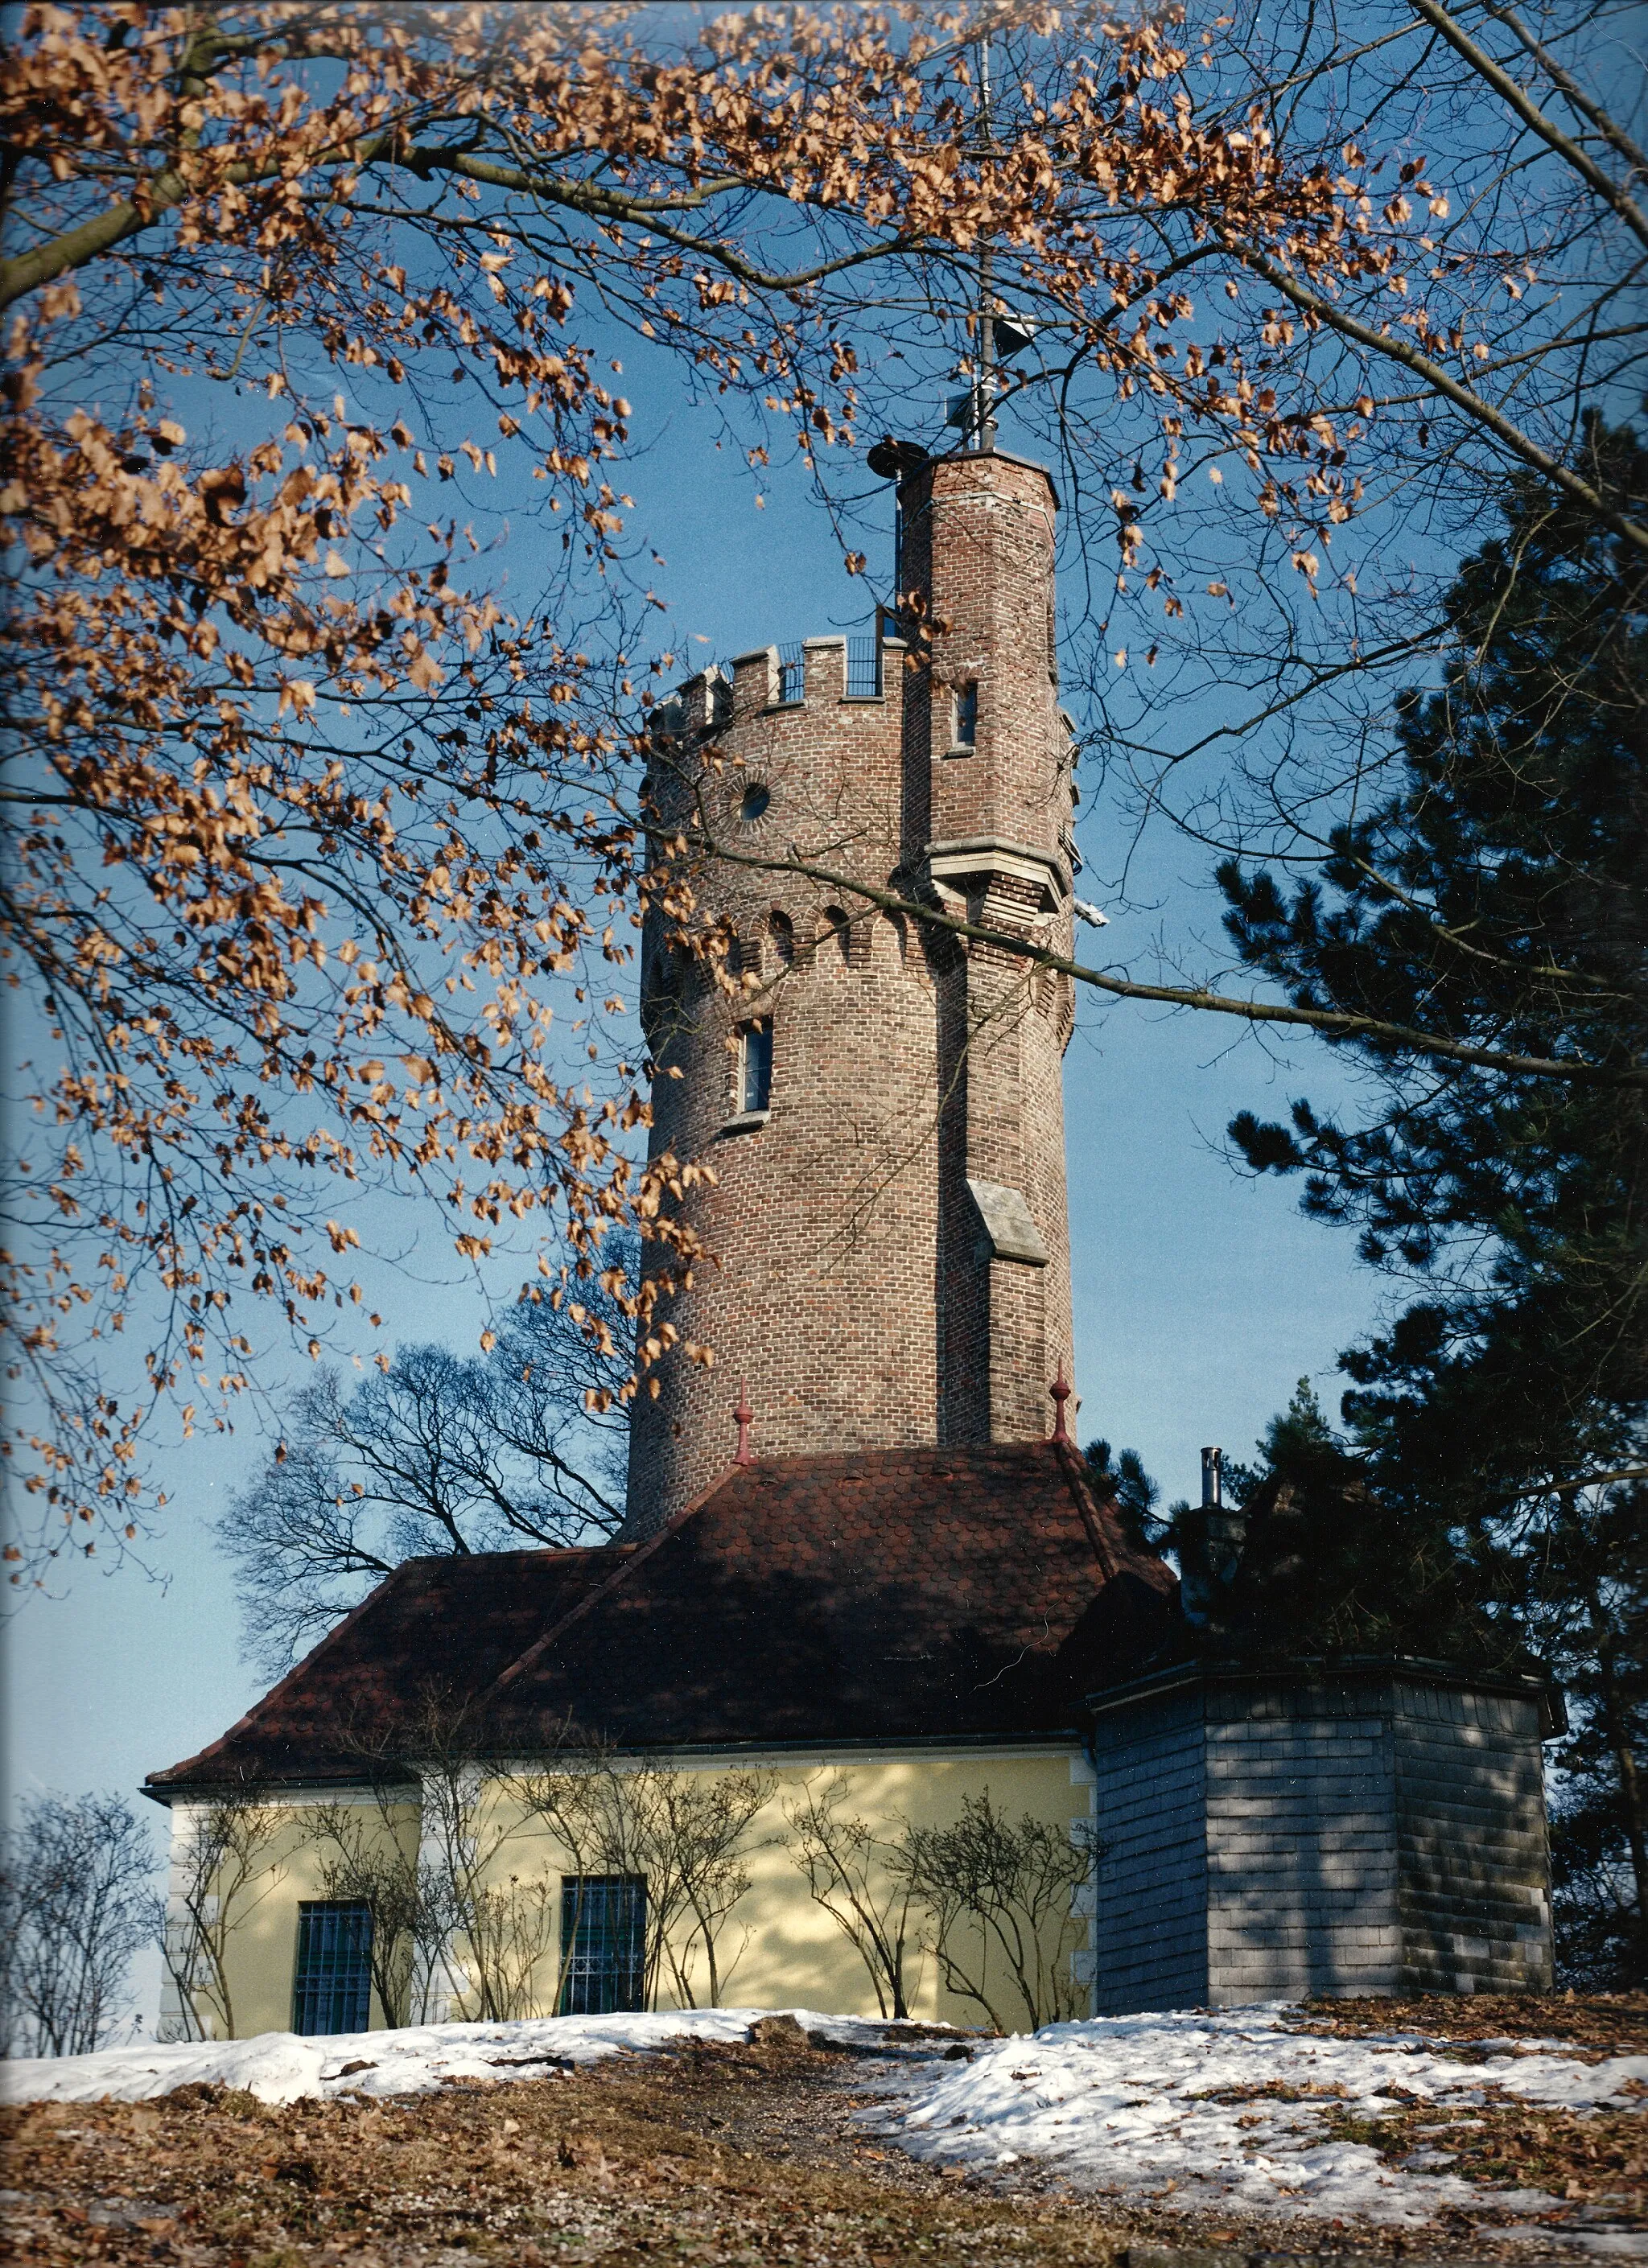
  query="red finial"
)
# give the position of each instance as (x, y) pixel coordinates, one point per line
(1060, 1394)
(745, 1415)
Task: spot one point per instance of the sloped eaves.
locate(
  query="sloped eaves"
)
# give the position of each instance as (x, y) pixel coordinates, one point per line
(890, 1594)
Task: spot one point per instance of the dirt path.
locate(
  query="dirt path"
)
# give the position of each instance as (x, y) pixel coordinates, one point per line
(719, 2155)
(785, 2104)
(714, 2154)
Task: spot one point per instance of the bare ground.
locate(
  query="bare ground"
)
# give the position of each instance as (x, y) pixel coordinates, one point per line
(714, 2155)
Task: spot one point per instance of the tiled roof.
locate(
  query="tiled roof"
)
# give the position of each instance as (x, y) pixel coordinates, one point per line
(896, 1595)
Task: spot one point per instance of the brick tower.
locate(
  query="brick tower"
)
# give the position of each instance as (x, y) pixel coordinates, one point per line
(882, 1108)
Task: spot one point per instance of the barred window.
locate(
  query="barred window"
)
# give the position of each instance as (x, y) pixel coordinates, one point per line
(603, 1923)
(332, 1987)
(755, 1064)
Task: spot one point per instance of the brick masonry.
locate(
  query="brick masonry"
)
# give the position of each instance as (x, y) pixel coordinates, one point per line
(853, 1286)
(1373, 1831)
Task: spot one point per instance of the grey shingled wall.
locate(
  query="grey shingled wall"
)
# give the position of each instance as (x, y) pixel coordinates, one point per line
(1150, 1935)
(1270, 1837)
(1470, 1821)
(1301, 1835)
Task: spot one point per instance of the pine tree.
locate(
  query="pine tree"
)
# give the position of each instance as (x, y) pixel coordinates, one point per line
(1122, 1481)
(1501, 1417)
(1312, 1558)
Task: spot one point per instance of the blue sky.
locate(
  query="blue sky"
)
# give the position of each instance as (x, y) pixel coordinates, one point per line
(1201, 1297)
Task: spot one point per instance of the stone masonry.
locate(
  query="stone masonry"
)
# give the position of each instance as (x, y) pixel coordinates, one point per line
(891, 1252)
(1380, 1829)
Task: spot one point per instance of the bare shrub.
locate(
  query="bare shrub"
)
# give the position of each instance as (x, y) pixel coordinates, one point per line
(684, 1833)
(77, 1901)
(864, 1883)
(999, 1899)
(365, 1863)
(223, 1868)
(462, 1925)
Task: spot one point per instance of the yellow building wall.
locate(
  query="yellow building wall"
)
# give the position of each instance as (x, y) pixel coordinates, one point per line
(778, 1948)
(262, 1951)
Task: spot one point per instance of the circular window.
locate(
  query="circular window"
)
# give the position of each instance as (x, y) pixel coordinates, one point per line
(754, 803)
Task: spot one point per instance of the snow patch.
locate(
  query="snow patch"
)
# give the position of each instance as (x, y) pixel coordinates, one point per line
(1127, 2106)
(281, 2067)
(1122, 2104)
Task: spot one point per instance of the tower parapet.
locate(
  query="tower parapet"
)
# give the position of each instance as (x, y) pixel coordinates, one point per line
(880, 1104)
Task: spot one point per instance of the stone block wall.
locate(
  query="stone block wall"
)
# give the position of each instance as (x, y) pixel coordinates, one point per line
(1381, 1830)
(1301, 1842)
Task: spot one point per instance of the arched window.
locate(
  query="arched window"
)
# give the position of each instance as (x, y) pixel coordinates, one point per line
(888, 941)
(834, 937)
(781, 930)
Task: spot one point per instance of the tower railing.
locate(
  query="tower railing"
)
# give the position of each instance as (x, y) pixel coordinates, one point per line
(863, 669)
(791, 673)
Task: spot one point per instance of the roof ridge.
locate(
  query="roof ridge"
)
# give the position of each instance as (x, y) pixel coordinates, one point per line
(635, 1556)
(491, 1558)
(1096, 1518)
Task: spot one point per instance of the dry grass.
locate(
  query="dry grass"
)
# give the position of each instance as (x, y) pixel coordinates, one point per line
(652, 2162)
(710, 2154)
(1604, 2023)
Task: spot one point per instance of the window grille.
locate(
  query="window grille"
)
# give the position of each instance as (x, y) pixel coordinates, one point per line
(603, 1920)
(863, 669)
(792, 684)
(332, 1987)
(966, 715)
(755, 1066)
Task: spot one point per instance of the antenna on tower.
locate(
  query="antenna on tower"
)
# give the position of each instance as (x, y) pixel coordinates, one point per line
(984, 422)
(970, 411)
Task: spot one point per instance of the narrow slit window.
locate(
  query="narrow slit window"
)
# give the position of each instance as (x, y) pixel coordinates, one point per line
(603, 1944)
(755, 1066)
(332, 1987)
(967, 714)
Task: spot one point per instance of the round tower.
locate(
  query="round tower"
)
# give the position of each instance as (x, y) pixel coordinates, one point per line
(987, 761)
(879, 1103)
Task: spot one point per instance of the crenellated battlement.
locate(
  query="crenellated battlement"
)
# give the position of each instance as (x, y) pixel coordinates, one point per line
(839, 668)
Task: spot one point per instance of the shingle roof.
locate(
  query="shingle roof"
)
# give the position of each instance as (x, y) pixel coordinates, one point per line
(883, 1595)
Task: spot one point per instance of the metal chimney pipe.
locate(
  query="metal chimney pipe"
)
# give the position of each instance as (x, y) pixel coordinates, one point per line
(1212, 1480)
